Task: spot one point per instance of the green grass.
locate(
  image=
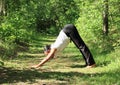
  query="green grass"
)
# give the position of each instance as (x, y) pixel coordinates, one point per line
(66, 69)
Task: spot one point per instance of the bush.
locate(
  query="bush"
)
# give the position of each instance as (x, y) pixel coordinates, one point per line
(1, 63)
(8, 50)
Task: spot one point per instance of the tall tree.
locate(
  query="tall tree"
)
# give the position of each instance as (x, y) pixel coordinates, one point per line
(105, 18)
(2, 7)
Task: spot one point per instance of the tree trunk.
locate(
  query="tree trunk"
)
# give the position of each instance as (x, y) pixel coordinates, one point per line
(105, 18)
(2, 7)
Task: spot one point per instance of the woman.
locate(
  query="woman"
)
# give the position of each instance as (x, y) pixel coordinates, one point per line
(67, 34)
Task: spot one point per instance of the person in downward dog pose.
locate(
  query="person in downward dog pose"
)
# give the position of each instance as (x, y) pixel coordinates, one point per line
(67, 34)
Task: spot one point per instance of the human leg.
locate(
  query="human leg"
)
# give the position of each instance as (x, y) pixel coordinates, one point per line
(72, 32)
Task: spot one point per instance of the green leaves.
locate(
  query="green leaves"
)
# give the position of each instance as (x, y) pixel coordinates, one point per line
(49, 16)
(1, 63)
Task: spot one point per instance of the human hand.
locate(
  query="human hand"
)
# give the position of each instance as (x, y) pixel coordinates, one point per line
(35, 67)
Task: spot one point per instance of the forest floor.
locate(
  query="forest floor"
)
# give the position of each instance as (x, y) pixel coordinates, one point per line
(66, 69)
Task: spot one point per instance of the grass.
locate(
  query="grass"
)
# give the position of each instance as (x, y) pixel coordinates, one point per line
(66, 69)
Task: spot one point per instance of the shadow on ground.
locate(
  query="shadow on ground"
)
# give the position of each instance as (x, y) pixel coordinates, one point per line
(10, 75)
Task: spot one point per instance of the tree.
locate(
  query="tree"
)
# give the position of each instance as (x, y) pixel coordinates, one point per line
(105, 18)
(2, 7)
(2, 10)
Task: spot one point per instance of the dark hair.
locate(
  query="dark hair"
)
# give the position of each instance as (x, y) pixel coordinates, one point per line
(47, 47)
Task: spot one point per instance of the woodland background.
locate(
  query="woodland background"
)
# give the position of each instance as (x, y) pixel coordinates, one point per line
(23, 21)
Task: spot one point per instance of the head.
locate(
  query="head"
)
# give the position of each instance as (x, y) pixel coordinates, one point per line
(47, 49)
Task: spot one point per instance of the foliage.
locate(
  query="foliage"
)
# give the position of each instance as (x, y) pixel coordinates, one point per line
(55, 13)
(90, 24)
(24, 17)
(7, 51)
(1, 63)
(10, 34)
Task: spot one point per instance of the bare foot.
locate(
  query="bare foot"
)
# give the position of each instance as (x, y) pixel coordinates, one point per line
(91, 66)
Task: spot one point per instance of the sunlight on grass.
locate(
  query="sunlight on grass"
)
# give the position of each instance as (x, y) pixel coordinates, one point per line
(65, 69)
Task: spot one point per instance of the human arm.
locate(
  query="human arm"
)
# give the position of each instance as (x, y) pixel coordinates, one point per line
(48, 57)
